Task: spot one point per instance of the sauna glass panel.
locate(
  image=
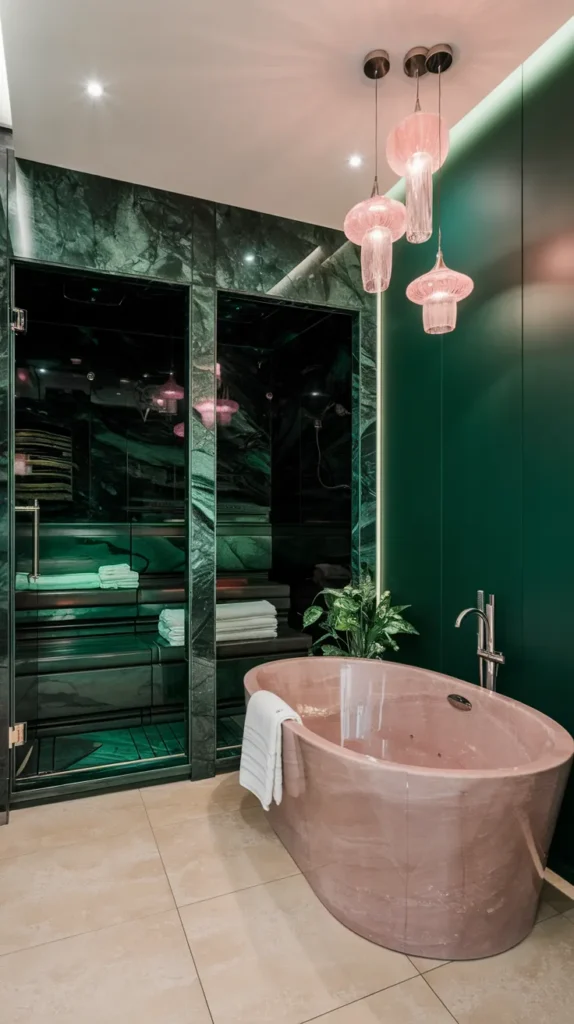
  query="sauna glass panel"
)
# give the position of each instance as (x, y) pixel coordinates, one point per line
(94, 442)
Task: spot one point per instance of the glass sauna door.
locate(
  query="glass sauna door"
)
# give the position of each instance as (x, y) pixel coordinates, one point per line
(100, 482)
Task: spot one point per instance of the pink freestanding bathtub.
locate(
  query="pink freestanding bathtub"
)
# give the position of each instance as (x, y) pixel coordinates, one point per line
(421, 822)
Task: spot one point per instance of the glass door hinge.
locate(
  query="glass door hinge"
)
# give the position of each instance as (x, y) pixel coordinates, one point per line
(17, 735)
(19, 320)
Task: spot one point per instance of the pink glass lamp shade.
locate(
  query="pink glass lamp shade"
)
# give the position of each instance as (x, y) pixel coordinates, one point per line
(375, 224)
(206, 410)
(226, 408)
(171, 393)
(222, 410)
(438, 293)
(413, 150)
(171, 389)
(179, 430)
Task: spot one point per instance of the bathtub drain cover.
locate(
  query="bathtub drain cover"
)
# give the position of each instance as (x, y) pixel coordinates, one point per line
(459, 702)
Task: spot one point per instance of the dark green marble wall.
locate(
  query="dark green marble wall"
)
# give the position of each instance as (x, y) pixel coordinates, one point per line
(480, 423)
(64, 217)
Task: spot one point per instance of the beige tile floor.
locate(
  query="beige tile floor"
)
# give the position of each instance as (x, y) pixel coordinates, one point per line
(177, 905)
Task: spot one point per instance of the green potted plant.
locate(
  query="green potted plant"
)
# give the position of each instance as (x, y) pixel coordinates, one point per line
(354, 624)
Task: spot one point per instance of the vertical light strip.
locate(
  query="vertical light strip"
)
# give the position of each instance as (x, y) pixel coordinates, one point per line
(379, 402)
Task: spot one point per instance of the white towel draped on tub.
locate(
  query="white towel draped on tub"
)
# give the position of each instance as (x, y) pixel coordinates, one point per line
(261, 769)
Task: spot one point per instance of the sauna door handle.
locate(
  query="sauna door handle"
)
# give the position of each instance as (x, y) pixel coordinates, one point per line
(35, 510)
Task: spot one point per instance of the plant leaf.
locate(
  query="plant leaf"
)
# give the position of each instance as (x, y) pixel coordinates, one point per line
(333, 652)
(312, 614)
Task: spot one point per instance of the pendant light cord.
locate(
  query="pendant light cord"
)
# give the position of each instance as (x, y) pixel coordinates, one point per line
(375, 191)
(418, 102)
(439, 176)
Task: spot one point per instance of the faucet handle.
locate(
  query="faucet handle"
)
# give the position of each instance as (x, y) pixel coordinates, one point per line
(494, 656)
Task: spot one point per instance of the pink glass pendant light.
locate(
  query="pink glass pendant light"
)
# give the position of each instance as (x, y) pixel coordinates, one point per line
(414, 150)
(215, 410)
(438, 293)
(205, 408)
(170, 394)
(225, 410)
(179, 430)
(222, 410)
(376, 223)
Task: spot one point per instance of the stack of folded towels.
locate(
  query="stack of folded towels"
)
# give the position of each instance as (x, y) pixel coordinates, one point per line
(245, 620)
(118, 577)
(171, 626)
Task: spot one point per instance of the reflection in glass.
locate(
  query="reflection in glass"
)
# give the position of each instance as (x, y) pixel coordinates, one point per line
(97, 397)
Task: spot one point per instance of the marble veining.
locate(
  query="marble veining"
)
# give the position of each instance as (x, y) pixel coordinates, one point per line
(65, 217)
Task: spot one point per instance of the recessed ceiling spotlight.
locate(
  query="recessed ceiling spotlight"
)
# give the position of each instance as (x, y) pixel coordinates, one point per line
(355, 160)
(249, 257)
(95, 89)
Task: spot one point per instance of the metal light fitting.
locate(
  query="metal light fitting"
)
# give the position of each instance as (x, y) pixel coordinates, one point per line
(439, 58)
(376, 64)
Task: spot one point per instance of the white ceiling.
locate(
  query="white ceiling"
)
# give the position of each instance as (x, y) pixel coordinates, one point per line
(257, 103)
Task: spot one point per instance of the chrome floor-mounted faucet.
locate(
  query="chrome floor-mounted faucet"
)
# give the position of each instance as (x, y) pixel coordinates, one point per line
(487, 656)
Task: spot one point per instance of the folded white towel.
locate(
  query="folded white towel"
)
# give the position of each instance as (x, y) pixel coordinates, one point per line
(244, 610)
(245, 634)
(269, 622)
(174, 639)
(261, 769)
(118, 577)
(59, 581)
(173, 616)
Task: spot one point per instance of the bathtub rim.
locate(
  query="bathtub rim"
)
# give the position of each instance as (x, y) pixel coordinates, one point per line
(562, 754)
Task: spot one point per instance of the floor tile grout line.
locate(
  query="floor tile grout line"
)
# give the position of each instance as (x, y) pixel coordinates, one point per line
(429, 969)
(217, 896)
(360, 999)
(199, 978)
(436, 995)
(187, 942)
(232, 892)
(89, 931)
(115, 924)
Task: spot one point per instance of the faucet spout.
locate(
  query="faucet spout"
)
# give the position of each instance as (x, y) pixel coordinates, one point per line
(476, 611)
(487, 656)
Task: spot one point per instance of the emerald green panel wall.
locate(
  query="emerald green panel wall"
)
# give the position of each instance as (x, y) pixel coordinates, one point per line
(548, 297)
(412, 460)
(481, 444)
(479, 424)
